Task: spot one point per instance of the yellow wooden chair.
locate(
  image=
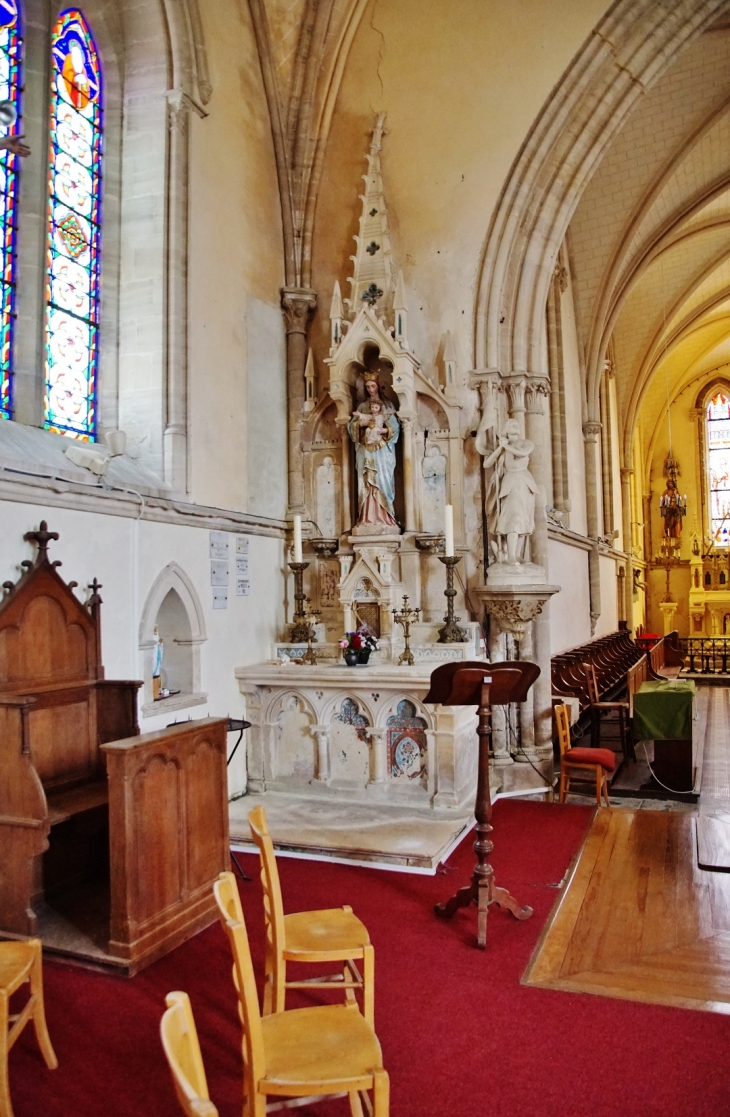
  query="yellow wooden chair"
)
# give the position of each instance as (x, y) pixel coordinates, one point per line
(304, 1052)
(21, 962)
(180, 1043)
(328, 935)
(597, 762)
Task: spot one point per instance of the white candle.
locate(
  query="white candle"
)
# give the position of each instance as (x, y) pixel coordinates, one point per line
(449, 530)
(297, 539)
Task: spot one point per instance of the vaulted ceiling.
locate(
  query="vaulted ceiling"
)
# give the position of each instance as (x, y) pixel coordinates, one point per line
(650, 239)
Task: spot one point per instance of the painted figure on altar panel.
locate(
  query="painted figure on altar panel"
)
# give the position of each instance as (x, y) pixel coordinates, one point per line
(511, 494)
(375, 430)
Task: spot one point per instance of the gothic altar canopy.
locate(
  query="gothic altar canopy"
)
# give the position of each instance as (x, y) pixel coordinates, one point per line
(391, 473)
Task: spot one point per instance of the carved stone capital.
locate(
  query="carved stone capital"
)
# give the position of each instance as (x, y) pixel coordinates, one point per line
(516, 386)
(537, 390)
(298, 305)
(696, 413)
(561, 274)
(591, 430)
(627, 473)
(514, 609)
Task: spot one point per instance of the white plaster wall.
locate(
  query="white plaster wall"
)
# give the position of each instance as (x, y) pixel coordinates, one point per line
(608, 620)
(570, 623)
(266, 373)
(127, 556)
(573, 414)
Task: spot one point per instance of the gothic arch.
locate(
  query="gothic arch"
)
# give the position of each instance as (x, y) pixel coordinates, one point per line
(172, 595)
(630, 47)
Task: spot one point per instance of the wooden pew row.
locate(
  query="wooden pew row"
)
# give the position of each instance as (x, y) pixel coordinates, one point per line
(612, 656)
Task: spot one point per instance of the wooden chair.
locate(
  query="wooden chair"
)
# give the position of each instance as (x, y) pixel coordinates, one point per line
(599, 762)
(599, 708)
(180, 1043)
(329, 935)
(305, 1052)
(20, 962)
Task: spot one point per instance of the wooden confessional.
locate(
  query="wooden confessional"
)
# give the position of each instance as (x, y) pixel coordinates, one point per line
(109, 841)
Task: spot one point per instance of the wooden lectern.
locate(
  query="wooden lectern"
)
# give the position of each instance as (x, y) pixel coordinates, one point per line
(484, 685)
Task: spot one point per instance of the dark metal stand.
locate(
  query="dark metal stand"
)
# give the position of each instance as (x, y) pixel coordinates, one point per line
(451, 633)
(237, 724)
(299, 631)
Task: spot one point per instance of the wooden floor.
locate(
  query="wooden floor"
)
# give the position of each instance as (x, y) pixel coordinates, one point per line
(639, 919)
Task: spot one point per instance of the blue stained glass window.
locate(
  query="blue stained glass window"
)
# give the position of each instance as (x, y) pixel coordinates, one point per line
(10, 54)
(74, 229)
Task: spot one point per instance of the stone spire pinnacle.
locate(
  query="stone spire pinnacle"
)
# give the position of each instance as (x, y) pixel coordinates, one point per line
(400, 312)
(373, 278)
(337, 313)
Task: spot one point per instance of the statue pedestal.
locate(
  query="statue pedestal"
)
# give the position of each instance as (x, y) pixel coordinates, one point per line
(668, 608)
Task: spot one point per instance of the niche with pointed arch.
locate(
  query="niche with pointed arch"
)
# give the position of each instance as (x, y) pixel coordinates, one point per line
(173, 614)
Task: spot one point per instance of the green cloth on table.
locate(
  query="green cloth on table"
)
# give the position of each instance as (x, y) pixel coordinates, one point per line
(663, 711)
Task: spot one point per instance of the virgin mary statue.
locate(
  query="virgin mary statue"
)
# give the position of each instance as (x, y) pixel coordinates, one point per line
(374, 428)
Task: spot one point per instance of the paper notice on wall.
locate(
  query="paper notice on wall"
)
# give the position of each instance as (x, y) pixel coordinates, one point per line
(243, 587)
(241, 544)
(220, 597)
(219, 545)
(218, 572)
(241, 564)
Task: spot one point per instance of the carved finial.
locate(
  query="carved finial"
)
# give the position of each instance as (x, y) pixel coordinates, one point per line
(42, 537)
(95, 598)
(8, 586)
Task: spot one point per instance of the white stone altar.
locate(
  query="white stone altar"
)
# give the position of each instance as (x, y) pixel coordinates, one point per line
(357, 734)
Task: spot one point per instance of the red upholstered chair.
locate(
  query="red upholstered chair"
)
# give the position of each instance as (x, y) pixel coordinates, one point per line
(599, 762)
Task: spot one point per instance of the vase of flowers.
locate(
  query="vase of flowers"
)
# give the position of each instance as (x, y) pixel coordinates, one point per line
(357, 646)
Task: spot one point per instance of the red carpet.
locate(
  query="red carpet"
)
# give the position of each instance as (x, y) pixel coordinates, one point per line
(461, 1037)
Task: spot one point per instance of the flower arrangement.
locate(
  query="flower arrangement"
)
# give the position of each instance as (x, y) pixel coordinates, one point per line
(362, 640)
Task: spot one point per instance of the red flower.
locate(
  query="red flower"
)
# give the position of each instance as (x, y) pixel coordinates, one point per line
(356, 642)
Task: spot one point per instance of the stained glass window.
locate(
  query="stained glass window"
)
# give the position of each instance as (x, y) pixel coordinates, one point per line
(10, 49)
(718, 467)
(73, 267)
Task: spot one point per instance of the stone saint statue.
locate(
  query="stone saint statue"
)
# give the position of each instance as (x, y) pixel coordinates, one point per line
(374, 428)
(511, 495)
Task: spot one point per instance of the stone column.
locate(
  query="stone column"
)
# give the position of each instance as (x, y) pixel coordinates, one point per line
(322, 733)
(175, 440)
(378, 759)
(537, 429)
(591, 430)
(668, 608)
(298, 304)
(407, 424)
(626, 475)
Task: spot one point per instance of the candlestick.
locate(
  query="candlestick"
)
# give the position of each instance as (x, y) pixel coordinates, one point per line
(311, 618)
(451, 633)
(406, 617)
(449, 530)
(299, 631)
(297, 556)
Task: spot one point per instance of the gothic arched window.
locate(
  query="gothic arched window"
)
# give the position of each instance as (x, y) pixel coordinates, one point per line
(10, 81)
(718, 467)
(73, 262)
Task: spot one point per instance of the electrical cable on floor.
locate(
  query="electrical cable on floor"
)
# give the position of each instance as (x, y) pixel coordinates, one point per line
(519, 749)
(655, 776)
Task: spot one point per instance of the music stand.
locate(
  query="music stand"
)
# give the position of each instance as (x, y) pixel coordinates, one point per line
(484, 685)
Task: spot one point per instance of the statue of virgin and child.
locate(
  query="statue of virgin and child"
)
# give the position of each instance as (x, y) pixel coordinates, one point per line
(375, 430)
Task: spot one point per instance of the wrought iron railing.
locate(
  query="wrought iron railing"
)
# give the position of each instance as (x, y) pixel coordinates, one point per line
(706, 655)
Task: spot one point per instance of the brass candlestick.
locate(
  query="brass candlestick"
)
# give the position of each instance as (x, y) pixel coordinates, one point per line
(406, 617)
(312, 618)
(451, 633)
(299, 631)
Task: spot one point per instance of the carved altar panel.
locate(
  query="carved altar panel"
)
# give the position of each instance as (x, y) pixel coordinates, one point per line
(349, 749)
(407, 744)
(294, 747)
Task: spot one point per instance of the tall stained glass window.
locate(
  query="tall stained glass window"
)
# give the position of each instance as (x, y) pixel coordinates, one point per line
(10, 49)
(73, 268)
(718, 467)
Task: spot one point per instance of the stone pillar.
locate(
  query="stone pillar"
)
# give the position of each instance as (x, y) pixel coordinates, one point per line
(626, 475)
(298, 304)
(322, 733)
(408, 486)
(668, 608)
(378, 759)
(175, 440)
(591, 430)
(537, 429)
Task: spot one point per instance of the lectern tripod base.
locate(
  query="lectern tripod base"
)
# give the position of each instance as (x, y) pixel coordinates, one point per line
(462, 684)
(483, 891)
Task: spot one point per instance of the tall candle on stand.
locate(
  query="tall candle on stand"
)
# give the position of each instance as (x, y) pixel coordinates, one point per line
(297, 539)
(449, 530)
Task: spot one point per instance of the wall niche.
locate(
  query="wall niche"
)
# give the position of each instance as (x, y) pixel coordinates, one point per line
(171, 630)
